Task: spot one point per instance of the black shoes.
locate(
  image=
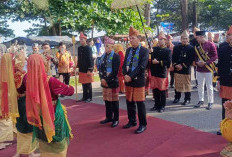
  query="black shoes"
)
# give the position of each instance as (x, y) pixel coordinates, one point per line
(176, 101)
(161, 110)
(129, 125)
(186, 102)
(85, 100)
(141, 129)
(81, 100)
(171, 86)
(219, 132)
(88, 100)
(210, 105)
(105, 121)
(114, 124)
(199, 104)
(153, 109)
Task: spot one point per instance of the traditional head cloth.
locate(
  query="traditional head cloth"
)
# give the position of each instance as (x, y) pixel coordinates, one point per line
(8, 92)
(108, 40)
(118, 48)
(38, 101)
(229, 32)
(195, 29)
(200, 33)
(185, 34)
(210, 35)
(133, 32)
(169, 37)
(162, 36)
(82, 35)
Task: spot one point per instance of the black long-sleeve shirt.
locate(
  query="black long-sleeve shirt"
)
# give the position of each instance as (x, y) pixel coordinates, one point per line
(85, 59)
(138, 74)
(184, 55)
(225, 65)
(112, 78)
(163, 55)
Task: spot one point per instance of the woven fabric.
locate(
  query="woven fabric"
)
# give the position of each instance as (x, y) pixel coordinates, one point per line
(110, 94)
(84, 78)
(182, 82)
(159, 83)
(25, 144)
(135, 94)
(225, 92)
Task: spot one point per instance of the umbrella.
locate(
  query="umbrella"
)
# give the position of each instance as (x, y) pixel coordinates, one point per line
(120, 4)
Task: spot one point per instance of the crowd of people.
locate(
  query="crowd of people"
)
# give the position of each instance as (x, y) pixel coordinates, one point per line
(29, 95)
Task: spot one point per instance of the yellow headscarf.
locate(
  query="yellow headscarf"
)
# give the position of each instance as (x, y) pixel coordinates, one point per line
(8, 92)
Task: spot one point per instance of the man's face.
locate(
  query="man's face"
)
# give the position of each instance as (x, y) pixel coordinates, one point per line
(46, 48)
(200, 39)
(62, 48)
(134, 41)
(108, 48)
(83, 41)
(162, 42)
(35, 49)
(184, 40)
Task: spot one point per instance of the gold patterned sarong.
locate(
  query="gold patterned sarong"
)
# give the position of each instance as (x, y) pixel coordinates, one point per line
(182, 82)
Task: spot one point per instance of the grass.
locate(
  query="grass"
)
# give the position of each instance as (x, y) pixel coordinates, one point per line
(72, 80)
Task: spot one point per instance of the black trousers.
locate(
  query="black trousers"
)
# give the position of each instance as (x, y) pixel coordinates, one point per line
(195, 74)
(66, 77)
(160, 98)
(187, 95)
(112, 110)
(87, 91)
(172, 78)
(131, 111)
(223, 109)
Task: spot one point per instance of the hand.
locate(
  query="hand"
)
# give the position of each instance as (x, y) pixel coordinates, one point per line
(201, 64)
(104, 83)
(127, 78)
(178, 67)
(155, 61)
(89, 73)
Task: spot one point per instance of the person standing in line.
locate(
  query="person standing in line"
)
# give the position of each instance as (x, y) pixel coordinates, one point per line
(85, 64)
(182, 59)
(134, 67)
(108, 72)
(205, 55)
(161, 61)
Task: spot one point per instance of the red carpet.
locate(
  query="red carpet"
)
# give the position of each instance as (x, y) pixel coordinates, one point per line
(162, 138)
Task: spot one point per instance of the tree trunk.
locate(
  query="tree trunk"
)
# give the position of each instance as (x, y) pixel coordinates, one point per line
(194, 14)
(147, 14)
(184, 10)
(92, 30)
(60, 29)
(54, 30)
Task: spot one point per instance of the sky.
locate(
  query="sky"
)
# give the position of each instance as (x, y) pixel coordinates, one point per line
(19, 28)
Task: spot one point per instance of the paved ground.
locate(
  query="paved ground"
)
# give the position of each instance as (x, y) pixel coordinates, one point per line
(200, 119)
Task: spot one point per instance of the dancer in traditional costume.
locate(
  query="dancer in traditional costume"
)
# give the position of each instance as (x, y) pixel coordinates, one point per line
(44, 110)
(134, 67)
(8, 100)
(108, 72)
